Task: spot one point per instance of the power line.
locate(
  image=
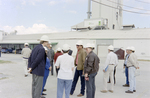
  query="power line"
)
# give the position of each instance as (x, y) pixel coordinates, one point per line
(142, 1)
(128, 6)
(121, 9)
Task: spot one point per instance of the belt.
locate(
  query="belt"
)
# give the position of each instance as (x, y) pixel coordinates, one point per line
(25, 58)
(111, 64)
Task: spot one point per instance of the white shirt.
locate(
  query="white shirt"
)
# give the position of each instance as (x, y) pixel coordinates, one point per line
(66, 63)
(111, 59)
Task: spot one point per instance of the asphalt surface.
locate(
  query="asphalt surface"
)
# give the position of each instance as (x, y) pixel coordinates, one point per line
(13, 84)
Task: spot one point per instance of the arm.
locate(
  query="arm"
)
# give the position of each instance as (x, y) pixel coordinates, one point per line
(83, 58)
(29, 62)
(72, 64)
(57, 64)
(90, 61)
(106, 62)
(41, 54)
(55, 56)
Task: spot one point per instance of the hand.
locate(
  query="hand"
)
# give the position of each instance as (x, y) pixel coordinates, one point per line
(138, 68)
(103, 70)
(30, 70)
(50, 68)
(123, 67)
(86, 75)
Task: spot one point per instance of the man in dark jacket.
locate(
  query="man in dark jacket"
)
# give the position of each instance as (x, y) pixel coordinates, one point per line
(91, 67)
(36, 65)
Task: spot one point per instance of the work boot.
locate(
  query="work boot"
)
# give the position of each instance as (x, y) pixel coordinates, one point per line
(80, 95)
(126, 85)
(128, 91)
(104, 91)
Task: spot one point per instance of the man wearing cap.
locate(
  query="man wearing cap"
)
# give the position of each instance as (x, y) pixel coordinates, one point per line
(111, 62)
(132, 65)
(51, 53)
(91, 67)
(26, 52)
(65, 75)
(79, 62)
(126, 68)
(36, 65)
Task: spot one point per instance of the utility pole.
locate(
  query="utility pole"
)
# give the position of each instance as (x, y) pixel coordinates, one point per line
(89, 9)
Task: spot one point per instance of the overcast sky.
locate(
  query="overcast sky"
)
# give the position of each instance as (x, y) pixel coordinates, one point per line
(43, 16)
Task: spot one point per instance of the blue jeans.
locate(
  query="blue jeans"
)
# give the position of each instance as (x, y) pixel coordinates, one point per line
(132, 78)
(78, 73)
(61, 85)
(126, 73)
(90, 86)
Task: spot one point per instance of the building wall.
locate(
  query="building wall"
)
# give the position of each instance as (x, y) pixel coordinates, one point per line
(101, 11)
(142, 47)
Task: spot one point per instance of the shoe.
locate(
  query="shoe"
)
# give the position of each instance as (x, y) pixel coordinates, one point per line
(108, 82)
(128, 91)
(126, 85)
(44, 90)
(134, 90)
(44, 94)
(80, 95)
(71, 94)
(25, 75)
(104, 91)
(111, 91)
(42, 97)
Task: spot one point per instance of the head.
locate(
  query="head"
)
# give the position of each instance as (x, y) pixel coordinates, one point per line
(79, 45)
(89, 47)
(128, 49)
(26, 44)
(65, 48)
(59, 50)
(44, 40)
(133, 49)
(110, 49)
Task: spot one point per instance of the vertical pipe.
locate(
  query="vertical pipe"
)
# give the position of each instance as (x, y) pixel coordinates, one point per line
(89, 9)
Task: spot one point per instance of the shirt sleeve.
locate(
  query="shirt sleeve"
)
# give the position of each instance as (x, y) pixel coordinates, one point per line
(106, 62)
(116, 62)
(83, 59)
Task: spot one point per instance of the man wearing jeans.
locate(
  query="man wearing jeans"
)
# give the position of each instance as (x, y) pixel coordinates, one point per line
(126, 68)
(65, 75)
(79, 62)
(91, 67)
(132, 66)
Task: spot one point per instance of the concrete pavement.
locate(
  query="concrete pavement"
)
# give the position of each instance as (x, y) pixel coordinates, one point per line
(18, 86)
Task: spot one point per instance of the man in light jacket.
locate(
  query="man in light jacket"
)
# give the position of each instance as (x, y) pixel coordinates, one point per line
(111, 62)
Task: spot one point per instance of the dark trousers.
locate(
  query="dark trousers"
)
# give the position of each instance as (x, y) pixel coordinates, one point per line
(114, 76)
(126, 73)
(90, 86)
(57, 69)
(0, 53)
(37, 83)
(52, 67)
(78, 73)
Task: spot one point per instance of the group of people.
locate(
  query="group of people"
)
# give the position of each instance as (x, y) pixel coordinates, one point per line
(39, 63)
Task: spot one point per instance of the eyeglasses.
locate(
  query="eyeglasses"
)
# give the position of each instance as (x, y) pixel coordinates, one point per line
(77, 45)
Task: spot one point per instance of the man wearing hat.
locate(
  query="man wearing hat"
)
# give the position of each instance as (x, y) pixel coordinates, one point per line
(111, 62)
(126, 68)
(26, 52)
(79, 62)
(91, 67)
(65, 75)
(51, 54)
(132, 65)
(36, 65)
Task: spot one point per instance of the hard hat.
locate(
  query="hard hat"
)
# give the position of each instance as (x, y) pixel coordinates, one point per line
(111, 47)
(50, 45)
(132, 48)
(26, 44)
(59, 49)
(89, 45)
(128, 48)
(65, 47)
(44, 38)
(45, 48)
(79, 42)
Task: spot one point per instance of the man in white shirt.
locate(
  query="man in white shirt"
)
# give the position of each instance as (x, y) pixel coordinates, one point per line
(65, 75)
(26, 51)
(111, 62)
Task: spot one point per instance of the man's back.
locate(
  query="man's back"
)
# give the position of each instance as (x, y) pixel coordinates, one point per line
(26, 52)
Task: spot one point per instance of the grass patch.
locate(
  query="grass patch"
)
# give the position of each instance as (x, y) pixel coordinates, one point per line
(2, 62)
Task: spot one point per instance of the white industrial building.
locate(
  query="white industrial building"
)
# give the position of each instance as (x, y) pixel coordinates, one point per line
(102, 28)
